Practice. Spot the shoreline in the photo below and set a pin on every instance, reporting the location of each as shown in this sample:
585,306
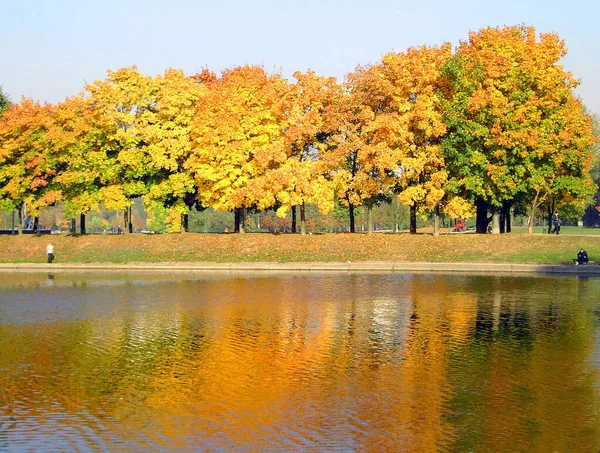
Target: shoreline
266,267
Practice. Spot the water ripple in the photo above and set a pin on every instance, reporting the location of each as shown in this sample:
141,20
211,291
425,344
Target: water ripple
352,363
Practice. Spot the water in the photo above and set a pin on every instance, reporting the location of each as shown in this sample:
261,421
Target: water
307,363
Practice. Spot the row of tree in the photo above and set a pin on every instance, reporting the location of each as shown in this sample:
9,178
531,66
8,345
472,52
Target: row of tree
478,128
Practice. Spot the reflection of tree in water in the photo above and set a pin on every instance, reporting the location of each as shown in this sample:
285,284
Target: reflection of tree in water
371,363
527,364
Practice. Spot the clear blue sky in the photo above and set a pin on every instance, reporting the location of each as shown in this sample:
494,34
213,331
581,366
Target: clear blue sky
52,47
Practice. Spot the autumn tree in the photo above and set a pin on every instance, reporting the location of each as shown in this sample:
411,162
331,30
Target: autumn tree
504,116
354,158
300,178
404,91
86,160
567,186
27,165
165,130
119,104
236,138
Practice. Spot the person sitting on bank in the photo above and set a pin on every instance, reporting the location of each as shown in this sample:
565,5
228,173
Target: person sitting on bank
582,257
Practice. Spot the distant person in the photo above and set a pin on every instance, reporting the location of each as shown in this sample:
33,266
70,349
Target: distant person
50,252
582,257
556,221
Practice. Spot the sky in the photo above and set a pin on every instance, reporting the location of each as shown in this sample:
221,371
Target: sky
51,48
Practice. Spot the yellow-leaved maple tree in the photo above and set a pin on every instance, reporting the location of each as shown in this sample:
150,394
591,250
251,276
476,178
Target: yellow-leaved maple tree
84,167
300,178
353,160
119,104
236,138
403,91
165,131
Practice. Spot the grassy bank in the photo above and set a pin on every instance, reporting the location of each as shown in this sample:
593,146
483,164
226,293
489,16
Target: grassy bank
191,247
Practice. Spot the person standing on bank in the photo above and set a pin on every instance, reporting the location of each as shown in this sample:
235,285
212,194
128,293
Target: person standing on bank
50,252
556,221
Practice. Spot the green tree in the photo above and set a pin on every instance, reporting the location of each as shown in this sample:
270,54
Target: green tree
512,123
591,216
4,102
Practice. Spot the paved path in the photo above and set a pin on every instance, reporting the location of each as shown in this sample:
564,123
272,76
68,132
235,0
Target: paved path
503,268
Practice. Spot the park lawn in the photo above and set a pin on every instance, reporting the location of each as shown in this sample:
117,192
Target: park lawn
569,230
264,247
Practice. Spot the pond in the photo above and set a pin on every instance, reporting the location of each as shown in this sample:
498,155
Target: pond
299,363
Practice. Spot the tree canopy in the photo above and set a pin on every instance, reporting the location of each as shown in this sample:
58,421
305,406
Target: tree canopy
515,129
489,124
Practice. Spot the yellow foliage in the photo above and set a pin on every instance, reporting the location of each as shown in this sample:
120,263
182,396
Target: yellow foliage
237,138
458,208
113,198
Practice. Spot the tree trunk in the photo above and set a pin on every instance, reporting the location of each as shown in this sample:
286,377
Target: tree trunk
185,223
534,206
436,220
130,221
82,223
241,219
20,219
302,219
370,216
531,217
73,228
36,225
481,221
496,222
293,219
550,212
351,211
505,221
413,218
127,228
502,220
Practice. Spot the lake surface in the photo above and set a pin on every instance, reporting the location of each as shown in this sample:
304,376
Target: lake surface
308,363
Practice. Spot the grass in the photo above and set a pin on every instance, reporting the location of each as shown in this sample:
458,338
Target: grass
566,230
263,247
